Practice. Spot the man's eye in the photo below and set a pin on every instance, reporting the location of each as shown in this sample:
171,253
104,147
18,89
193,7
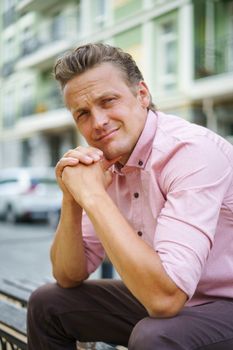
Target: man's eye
108,100
78,117
81,114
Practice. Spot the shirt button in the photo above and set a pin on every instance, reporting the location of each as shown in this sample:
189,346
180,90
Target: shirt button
140,162
136,194
140,233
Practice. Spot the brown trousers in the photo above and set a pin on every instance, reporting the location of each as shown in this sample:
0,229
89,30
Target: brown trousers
106,311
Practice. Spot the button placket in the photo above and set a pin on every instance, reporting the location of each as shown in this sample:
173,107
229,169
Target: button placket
136,204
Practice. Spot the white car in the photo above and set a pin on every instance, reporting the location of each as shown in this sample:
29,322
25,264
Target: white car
28,193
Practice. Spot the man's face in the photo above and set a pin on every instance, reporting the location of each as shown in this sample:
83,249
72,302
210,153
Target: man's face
108,113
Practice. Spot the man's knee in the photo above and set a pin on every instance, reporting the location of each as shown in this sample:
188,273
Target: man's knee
53,300
153,334
41,298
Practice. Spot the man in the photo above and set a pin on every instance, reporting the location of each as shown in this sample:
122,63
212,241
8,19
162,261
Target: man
153,192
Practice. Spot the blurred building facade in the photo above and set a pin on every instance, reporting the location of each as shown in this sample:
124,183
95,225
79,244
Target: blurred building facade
183,47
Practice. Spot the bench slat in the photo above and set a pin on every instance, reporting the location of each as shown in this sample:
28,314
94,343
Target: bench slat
13,316
16,291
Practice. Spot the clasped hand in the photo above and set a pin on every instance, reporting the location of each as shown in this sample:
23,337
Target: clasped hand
83,172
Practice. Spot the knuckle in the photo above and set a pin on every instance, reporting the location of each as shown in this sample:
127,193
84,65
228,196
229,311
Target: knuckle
68,153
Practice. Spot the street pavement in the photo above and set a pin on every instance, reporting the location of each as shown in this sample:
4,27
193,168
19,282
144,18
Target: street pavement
24,251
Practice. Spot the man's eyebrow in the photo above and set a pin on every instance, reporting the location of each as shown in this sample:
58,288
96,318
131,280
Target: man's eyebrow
95,99
104,95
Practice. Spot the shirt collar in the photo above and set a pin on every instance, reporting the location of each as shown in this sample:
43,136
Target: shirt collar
142,150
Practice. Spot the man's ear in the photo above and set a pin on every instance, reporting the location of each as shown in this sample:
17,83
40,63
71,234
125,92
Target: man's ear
143,94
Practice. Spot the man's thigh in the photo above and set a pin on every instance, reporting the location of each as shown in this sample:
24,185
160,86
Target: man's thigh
97,310
204,327
107,311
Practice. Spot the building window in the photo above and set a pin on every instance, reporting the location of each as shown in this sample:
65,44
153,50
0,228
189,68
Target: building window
9,110
28,41
100,15
58,26
9,14
8,50
8,57
213,29
166,53
27,100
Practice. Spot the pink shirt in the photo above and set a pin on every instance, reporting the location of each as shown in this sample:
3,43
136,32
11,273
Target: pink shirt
176,190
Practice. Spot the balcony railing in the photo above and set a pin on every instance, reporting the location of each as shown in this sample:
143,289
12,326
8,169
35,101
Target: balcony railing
51,99
214,58
35,5
59,29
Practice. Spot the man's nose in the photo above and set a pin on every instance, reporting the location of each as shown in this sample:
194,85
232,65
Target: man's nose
100,119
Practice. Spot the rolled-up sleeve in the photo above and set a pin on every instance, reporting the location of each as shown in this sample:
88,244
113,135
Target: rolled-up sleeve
196,177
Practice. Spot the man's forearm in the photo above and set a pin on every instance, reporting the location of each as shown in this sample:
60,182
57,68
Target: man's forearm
67,252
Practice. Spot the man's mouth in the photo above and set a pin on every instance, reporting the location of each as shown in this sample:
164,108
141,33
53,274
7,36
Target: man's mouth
107,135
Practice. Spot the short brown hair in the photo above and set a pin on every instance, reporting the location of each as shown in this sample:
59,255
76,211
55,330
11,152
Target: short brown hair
79,60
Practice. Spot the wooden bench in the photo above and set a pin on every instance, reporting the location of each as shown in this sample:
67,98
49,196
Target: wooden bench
14,296
13,301
12,326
